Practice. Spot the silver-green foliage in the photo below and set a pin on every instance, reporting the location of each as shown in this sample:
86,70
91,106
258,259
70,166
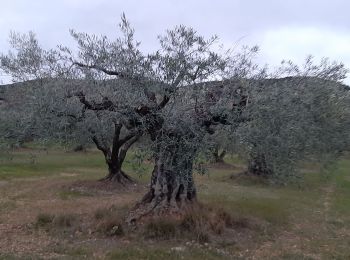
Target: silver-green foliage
187,89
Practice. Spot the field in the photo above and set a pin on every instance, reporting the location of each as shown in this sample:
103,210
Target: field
51,207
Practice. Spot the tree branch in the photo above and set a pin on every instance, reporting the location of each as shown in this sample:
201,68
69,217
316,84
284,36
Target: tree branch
127,138
106,104
126,146
116,145
106,152
106,71
162,104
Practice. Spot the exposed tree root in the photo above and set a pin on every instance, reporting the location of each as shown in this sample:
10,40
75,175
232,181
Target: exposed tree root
118,178
155,207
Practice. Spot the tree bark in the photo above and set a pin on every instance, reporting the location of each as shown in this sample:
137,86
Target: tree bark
115,155
257,166
172,187
217,156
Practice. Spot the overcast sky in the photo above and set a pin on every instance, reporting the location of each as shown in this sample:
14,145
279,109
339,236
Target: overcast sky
284,29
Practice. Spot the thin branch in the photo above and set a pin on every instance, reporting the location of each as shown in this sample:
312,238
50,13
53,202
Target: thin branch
96,67
126,146
116,145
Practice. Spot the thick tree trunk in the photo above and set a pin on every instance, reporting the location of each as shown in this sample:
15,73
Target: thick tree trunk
116,174
217,156
172,187
170,190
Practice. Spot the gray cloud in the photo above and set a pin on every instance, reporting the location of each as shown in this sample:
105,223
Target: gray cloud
283,29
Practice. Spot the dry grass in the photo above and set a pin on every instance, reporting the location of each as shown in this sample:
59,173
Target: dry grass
161,229
42,217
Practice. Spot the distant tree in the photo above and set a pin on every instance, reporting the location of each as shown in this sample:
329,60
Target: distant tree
15,124
217,146
218,155
294,118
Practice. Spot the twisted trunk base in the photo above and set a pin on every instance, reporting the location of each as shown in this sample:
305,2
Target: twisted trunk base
170,193
116,175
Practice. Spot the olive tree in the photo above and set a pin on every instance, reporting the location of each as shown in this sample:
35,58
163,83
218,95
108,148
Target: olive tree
176,96
177,104
68,103
303,116
181,93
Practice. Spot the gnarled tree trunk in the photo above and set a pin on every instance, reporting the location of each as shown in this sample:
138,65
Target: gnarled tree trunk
172,187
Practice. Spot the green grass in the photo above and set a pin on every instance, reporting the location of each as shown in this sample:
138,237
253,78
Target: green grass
297,211
7,206
38,163
15,257
72,194
341,200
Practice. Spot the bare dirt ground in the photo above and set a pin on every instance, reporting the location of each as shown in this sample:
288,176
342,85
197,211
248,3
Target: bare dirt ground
307,222
28,198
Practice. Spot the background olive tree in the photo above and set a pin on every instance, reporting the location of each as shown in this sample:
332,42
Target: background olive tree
303,116
70,103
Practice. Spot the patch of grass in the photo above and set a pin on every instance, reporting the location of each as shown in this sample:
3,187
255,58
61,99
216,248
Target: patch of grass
27,163
110,224
73,252
72,194
16,257
251,203
110,221
6,206
64,220
161,229
293,256
198,223
272,210
78,252
202,221
24,164
340,199
103,213
246,179
44,219
50,221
